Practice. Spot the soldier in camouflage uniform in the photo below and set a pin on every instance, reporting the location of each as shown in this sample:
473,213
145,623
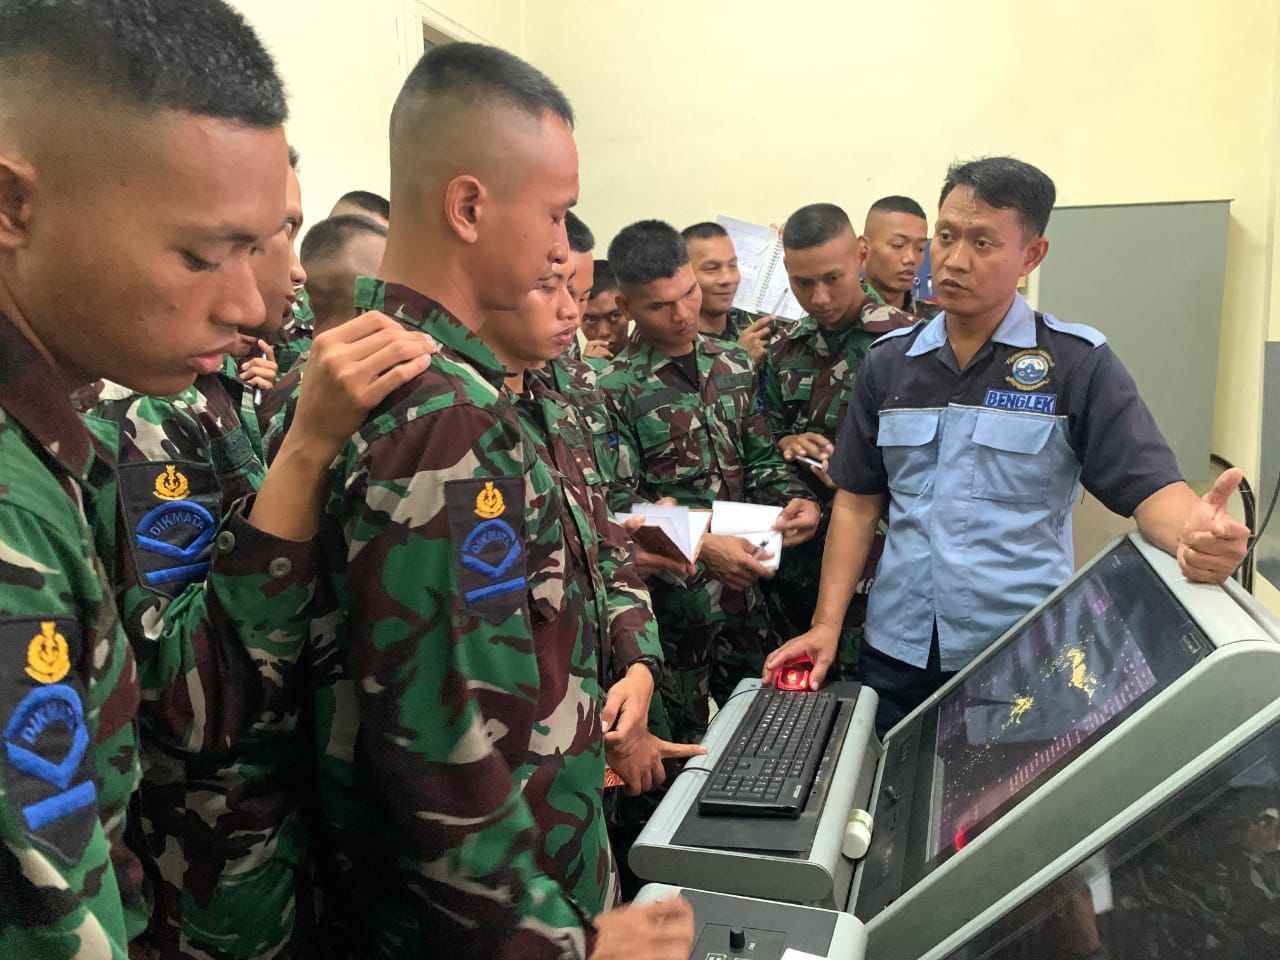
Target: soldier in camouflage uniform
67,659
808,378
688,427
334,253
892,247
180,141
602,321
573,376
557,432
226,829
458,740
715,264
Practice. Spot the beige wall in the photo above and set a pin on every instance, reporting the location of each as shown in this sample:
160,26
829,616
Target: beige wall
343,62
727,106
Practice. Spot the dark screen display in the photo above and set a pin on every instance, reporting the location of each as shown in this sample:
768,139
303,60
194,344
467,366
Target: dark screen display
1197,878
1108,643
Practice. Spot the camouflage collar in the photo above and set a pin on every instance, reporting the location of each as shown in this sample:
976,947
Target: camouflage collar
874,294
647,359
32,395
421,312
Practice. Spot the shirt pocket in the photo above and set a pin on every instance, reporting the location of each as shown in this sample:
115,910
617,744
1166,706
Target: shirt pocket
796,386
908,441
1012,457
671,445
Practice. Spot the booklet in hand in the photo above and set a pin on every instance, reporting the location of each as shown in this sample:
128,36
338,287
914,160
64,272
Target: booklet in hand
750,521
671,532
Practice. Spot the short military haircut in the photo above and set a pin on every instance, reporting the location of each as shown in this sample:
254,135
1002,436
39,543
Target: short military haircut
197,56
707,230
604,279
365,200
814,225
1006,184
581,239
898,205
475,73
329,236
646,251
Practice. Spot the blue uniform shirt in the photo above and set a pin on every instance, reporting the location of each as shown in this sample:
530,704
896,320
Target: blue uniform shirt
982,466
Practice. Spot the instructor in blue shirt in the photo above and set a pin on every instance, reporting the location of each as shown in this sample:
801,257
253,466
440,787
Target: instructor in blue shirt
973,432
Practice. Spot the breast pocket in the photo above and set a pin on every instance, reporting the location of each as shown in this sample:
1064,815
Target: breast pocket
671,442
795,386
908,441
1013,459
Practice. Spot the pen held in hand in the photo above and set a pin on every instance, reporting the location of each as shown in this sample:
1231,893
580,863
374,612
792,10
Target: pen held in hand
760,549
816,464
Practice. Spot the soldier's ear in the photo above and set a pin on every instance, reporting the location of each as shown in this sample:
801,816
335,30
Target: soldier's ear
623,307
17,185
465,206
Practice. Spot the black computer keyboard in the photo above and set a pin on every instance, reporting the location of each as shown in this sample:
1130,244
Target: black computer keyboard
769,766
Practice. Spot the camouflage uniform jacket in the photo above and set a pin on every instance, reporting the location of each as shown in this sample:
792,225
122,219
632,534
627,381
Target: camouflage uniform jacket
809,373
575,380
735,322
218,613
278,406
295,339
68,693
464,804
696,444
919,309
599,551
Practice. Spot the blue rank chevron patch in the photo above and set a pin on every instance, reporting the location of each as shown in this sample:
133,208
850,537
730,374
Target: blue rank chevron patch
45,737
1046,403
486,524
173,509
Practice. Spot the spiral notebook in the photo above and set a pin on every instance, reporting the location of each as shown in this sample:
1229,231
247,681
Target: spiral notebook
764,287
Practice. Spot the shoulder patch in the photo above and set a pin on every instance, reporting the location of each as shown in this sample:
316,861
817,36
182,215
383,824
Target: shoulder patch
1085,332
900,332
48,777
172,509
486,535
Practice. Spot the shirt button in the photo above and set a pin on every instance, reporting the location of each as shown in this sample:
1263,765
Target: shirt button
280,567
226,541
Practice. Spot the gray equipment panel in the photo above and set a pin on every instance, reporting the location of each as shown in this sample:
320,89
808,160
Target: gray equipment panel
820,877
1217,696
1190,872
766,929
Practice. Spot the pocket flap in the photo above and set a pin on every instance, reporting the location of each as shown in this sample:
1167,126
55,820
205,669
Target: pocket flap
1012,432
907,428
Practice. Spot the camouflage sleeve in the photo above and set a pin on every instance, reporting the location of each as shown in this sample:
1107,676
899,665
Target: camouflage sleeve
632,628
275,413
69,766
217,610
625,483
442,659
773,409
769,479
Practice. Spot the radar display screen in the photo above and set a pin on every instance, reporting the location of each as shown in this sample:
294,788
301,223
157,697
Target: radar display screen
1093,655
